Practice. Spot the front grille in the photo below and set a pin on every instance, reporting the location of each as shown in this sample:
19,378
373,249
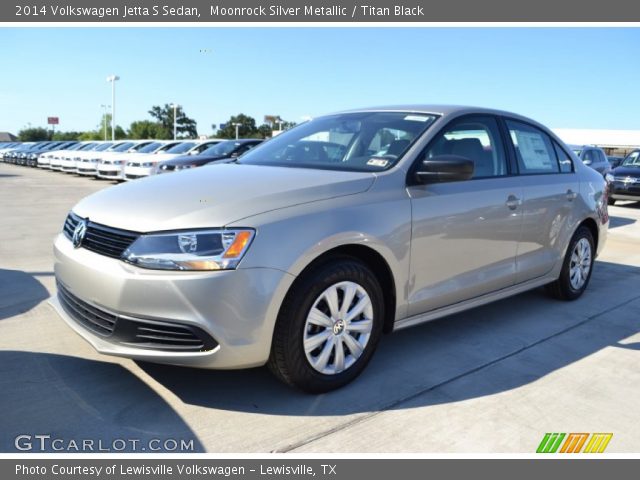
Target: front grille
167,336
622,179
107,173
133,177
107,241
93,318
135,332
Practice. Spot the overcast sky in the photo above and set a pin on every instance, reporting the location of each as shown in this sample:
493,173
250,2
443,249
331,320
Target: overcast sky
563,77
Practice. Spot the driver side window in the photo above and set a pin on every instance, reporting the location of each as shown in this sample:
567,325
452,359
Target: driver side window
476,138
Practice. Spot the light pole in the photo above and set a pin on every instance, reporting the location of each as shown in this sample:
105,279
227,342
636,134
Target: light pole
104,119
113,79
237,125
175,119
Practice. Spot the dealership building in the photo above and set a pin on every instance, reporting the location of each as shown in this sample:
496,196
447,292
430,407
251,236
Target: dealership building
613,142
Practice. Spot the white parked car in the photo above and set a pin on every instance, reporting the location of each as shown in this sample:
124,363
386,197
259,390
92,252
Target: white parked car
45,159
113,168
122,149
64,160
87,165
143,167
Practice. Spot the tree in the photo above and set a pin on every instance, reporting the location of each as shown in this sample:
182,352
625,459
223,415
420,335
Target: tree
35,134
144,129
247,128
185,126
265,131
71,135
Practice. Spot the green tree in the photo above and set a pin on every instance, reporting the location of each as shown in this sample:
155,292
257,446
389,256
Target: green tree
34,134
71,135
247,128
265,131
185,126
143,129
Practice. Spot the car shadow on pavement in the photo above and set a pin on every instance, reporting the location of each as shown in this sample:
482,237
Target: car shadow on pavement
73,399
615,222
20,292
484,351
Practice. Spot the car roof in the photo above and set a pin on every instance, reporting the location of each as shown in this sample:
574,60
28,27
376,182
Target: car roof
444,111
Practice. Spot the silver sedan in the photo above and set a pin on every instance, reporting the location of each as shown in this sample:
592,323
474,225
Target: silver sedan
303,252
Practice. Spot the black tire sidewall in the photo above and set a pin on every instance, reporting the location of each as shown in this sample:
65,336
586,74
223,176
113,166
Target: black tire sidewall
565,277
301,299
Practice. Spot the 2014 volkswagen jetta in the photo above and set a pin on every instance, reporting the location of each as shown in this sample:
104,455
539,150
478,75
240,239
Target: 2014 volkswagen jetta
304,251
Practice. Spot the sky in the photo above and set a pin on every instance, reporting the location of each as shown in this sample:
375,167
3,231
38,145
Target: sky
563,77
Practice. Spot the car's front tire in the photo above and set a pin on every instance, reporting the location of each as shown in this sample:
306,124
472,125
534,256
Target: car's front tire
576,268
328,326
611,201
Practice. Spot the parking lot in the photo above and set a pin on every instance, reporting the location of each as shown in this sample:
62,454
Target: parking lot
494,379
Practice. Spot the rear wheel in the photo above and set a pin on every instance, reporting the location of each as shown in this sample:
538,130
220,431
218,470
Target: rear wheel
328,327
576,268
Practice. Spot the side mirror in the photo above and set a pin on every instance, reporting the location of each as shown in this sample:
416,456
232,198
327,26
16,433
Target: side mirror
444,168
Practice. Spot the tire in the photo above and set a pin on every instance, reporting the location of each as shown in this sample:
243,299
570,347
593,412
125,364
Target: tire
574,279
611,201
318,370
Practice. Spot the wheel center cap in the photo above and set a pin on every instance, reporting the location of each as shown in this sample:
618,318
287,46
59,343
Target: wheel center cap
338,327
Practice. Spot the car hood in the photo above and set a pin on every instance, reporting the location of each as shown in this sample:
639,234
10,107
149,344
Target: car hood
626,172
214,196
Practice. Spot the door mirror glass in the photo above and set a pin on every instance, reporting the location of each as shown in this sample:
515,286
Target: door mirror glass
444,168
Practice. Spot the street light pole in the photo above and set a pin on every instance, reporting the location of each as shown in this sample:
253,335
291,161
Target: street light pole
237,125
113,79
104,119
175,119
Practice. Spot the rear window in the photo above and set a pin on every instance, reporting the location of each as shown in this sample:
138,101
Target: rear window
534,151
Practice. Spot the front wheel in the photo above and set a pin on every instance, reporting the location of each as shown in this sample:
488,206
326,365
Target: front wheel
576,268
328,326
611,201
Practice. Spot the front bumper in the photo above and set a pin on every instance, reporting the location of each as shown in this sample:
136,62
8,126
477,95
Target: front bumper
111,172
133,173
237,308
624,191
87,168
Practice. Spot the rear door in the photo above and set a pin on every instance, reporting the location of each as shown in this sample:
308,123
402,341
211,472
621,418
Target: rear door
550,185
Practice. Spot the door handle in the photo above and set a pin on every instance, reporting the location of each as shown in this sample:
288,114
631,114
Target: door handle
513,202
571,195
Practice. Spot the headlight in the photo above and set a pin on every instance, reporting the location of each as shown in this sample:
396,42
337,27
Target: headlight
608,177
184,167
147,164
195,250
118,162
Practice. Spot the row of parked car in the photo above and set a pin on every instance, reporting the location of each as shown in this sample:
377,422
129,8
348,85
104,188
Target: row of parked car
132,159
123,159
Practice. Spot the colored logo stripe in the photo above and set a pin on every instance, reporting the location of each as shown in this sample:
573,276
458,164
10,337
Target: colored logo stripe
550,443
598,442
574,442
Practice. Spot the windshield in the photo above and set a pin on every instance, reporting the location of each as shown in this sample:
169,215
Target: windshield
87,146
632,160
102,146
181,147
123,147
361,142
221,149
152,147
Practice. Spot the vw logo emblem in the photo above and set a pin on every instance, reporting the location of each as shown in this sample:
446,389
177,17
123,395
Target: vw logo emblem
79,233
